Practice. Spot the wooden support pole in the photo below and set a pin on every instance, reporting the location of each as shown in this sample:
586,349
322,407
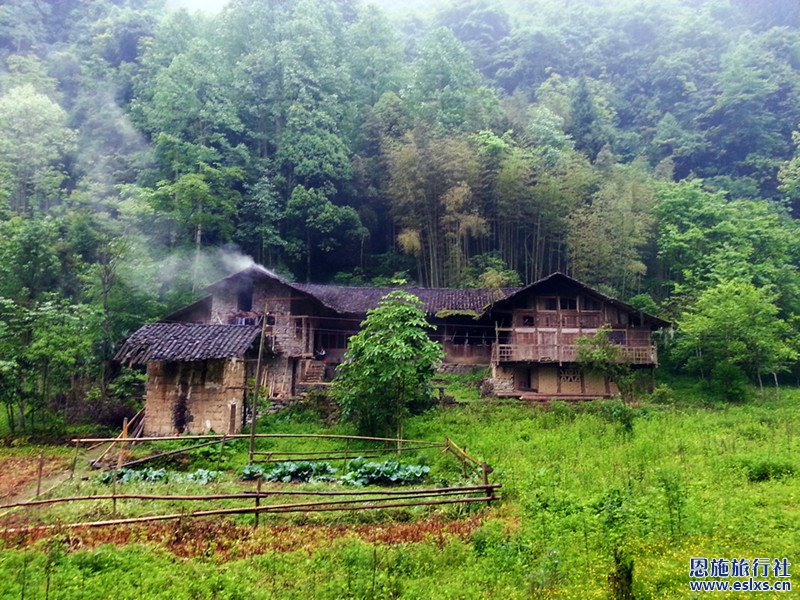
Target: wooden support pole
74,461
139,461
264,494
330,506
257,387
39,474
216,436
120,455
258,501
221,450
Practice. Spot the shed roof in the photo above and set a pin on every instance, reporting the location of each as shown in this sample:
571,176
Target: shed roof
186,342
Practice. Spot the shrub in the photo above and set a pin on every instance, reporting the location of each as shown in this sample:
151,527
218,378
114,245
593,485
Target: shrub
765,469
728,382
662,394
619,413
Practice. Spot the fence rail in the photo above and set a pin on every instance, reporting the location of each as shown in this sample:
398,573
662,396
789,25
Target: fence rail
330,500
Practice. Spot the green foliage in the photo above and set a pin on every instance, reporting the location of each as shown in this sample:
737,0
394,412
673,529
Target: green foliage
735,324
598,354
152,475
388,366
361,472
252,472
758,469
298,472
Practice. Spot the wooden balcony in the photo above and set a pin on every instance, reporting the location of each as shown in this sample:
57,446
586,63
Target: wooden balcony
565,353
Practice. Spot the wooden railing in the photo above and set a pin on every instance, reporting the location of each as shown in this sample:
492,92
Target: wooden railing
561,353
575,320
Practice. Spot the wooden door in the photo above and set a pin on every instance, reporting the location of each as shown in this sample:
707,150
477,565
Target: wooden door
548,347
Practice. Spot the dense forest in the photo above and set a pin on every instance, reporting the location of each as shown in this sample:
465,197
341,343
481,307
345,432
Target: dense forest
647,148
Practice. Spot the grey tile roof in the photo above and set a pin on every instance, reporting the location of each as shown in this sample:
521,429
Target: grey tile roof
358,300
186,342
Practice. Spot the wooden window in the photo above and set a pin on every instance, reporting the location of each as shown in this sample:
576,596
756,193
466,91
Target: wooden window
245,297
548,304
617,336
569,303
590,304
569,375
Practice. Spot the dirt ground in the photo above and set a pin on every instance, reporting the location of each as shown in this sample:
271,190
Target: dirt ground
19,473
226,540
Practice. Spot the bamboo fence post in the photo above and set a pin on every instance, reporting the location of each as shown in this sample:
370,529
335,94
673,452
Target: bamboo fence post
221,450
120,454
257,386
258,502
486,469
39,474
74,461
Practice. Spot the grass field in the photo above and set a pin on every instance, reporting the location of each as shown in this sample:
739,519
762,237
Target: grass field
674,478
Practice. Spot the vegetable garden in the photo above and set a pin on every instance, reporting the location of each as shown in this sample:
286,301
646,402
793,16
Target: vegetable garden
155,479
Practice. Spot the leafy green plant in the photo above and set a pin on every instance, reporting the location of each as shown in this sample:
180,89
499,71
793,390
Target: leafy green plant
151,475
766,469
619,413
252,472
361,472
662,394
300,472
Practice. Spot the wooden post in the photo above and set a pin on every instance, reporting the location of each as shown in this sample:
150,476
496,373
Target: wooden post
39,475
74,460
120,454
258,501
489,491
221,450
257,387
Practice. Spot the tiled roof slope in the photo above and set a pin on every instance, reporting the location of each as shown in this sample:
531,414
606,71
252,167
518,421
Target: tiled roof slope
358,300
186,342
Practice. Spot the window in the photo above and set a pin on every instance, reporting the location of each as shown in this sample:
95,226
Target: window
617,336
569,303
549,304
527,321
569,375
592,304
245,297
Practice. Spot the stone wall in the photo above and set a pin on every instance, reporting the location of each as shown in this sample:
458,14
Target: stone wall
459,368
195,397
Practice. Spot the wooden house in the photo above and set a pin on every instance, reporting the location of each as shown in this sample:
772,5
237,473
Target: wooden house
537,327
199,359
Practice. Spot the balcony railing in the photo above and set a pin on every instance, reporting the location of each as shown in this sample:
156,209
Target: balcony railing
564,353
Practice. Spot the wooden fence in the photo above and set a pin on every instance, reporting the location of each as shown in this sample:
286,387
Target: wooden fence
323,501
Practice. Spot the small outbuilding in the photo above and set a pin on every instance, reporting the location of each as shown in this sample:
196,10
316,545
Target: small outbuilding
196,375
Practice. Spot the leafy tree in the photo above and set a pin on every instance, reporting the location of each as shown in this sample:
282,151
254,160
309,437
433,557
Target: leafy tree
34,141
704,239
316,226
598,354
738,324
606,238
388,367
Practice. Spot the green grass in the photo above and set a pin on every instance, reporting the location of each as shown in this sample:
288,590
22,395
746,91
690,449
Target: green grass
661,482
